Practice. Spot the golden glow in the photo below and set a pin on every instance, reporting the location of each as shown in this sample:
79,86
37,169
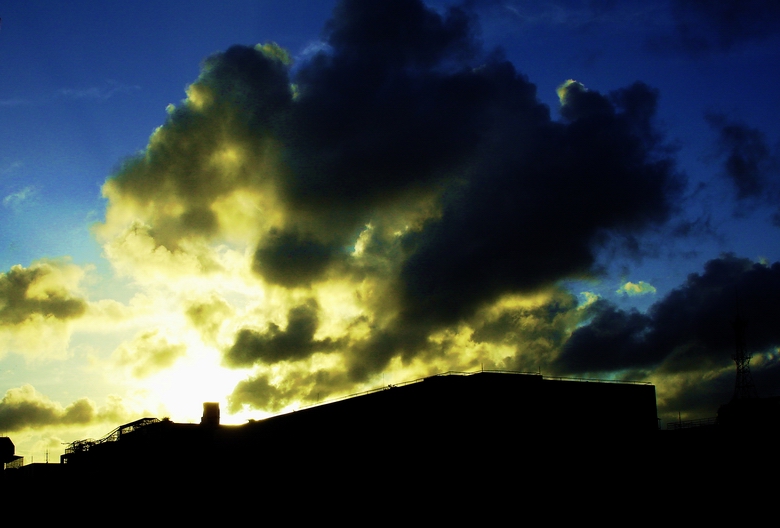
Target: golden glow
363,239
228,158
530,300
195,379
639,288
199,97
562,90
339,309
590,298
274,50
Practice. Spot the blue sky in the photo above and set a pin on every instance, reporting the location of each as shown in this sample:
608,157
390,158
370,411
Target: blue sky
266,253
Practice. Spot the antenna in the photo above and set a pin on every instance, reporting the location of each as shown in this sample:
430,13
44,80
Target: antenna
744,388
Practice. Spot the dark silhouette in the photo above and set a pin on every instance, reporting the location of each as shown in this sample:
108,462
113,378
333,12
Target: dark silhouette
455,438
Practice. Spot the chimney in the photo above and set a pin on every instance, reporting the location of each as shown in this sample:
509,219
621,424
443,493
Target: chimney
210,414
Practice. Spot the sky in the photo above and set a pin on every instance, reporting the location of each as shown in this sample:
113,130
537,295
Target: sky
270,204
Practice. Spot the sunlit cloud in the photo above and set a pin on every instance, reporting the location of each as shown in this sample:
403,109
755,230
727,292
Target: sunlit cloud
24,408
38,306
639,288
148,353
318,228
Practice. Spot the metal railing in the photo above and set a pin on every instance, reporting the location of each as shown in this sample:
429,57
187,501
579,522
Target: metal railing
692,424
80,446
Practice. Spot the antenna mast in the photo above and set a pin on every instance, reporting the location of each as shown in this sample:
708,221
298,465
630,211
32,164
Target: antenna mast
744,388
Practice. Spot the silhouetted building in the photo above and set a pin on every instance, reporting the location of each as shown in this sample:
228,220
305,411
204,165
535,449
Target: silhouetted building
8,452
426,423
494,423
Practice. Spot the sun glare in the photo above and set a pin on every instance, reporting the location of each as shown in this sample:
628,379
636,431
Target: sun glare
181,390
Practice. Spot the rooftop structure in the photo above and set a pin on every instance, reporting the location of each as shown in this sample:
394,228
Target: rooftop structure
430,423
460,413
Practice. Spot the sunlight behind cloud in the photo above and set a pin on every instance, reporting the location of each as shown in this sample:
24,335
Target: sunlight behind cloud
194,378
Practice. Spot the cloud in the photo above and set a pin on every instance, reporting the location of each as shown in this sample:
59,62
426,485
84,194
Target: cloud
274,393
383,198
208,316
210,159
704,27
287,260
135,252
572,15
640,288
295,342
15,200
11,167
689,332
562,179
99,93
38,305
25,408
529,332
17,101
148,353
748,161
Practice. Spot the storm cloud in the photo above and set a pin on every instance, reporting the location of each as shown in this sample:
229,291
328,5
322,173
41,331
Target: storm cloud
296,341
688,330
543,199
387,192
749,161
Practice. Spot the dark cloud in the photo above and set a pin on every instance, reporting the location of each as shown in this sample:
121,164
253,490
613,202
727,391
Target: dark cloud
543,197
404,161
689,330
614,339
260,393
295,342
23,408
401,104
704,26
264,392
391,104
290,260
38,291
748,160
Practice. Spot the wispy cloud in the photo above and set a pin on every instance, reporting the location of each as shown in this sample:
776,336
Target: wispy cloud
11,167
16,101
100,93
15,200
575,15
